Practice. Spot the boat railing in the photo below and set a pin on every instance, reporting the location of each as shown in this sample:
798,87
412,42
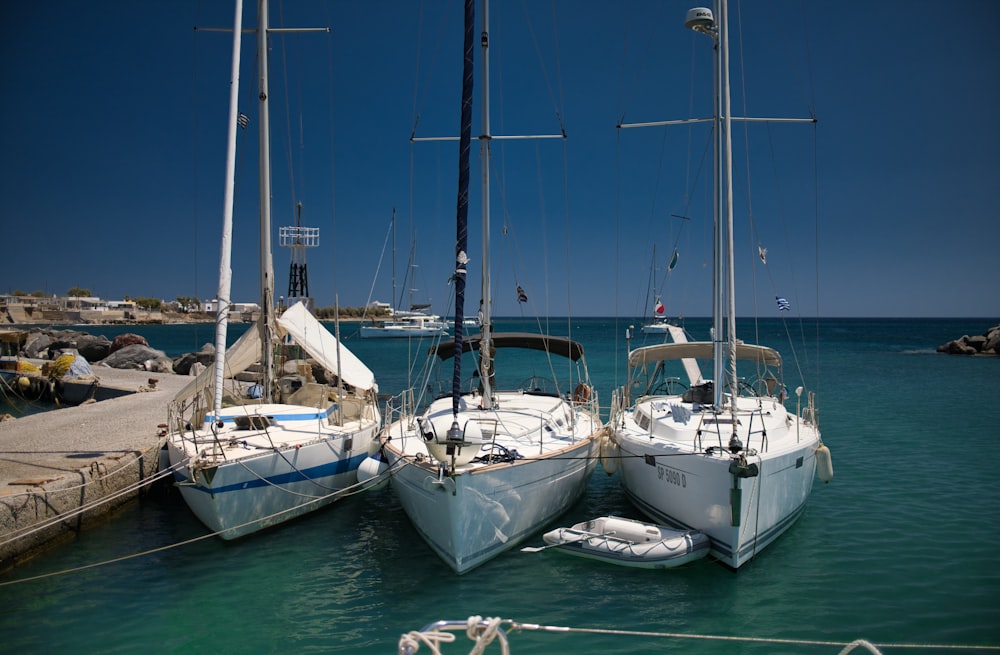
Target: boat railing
399,406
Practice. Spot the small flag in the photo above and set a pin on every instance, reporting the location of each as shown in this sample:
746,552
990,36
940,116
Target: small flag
783,304
673,261
659,308
521,295
763,253
243,120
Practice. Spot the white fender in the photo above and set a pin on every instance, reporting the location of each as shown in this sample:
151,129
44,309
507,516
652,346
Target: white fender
824,463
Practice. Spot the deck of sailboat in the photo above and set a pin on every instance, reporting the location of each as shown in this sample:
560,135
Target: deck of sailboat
761,422
532,424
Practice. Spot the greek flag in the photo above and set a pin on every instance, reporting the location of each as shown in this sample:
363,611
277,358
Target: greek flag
783,304
243,120
521,295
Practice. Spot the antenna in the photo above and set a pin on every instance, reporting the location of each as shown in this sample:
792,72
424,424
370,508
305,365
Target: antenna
299,238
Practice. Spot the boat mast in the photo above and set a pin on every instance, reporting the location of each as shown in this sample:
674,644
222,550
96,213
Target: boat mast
485,352
225,259
266,264
462,209
727,177
723,300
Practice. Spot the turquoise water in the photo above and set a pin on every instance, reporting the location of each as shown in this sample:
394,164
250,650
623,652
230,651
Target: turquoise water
899,548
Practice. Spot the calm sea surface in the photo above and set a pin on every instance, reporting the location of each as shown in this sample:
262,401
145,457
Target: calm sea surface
900,548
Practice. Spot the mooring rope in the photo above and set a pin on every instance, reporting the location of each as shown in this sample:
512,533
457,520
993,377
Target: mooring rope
483,631
347,491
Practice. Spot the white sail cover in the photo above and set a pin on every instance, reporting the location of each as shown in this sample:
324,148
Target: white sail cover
332,355
239,356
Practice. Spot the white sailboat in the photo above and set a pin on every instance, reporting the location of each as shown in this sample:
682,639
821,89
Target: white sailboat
659,324
414,322
723,456
491,463
254,453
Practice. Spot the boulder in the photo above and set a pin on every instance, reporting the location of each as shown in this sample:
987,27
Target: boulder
204,357
139,357
93,348
126,340
993,341
36,345
987,343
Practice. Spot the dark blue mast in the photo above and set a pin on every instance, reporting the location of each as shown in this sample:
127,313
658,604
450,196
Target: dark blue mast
462,217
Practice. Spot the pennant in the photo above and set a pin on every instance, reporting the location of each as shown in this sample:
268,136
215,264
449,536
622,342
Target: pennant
521,295
763,253
783,304
673,260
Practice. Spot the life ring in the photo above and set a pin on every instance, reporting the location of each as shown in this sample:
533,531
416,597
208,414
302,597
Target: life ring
582,393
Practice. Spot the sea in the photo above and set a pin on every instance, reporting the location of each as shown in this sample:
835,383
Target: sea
899,549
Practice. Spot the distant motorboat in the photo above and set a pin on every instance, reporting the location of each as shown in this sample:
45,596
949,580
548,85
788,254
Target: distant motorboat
628,542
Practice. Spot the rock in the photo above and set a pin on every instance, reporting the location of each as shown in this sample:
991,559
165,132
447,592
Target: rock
204,357
93,348
987,343
139,357
36,345
126,340
992,343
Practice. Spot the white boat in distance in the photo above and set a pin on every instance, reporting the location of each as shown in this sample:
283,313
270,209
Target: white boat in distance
248,455
628,542
721,455
405,325
487,465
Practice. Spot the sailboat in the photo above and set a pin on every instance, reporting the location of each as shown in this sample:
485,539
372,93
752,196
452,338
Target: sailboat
659,323
723,455
405,323
252,450
490,463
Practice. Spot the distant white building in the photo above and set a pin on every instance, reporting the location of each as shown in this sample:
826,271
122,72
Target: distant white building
212,307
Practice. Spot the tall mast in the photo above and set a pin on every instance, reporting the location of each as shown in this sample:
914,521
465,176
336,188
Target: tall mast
266,264
462,208
485,348
723,283
727,170
225,259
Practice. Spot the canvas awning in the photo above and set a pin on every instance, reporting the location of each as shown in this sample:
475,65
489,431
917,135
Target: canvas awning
701,350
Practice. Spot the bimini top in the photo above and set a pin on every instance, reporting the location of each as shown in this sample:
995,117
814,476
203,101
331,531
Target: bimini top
701,350
556,345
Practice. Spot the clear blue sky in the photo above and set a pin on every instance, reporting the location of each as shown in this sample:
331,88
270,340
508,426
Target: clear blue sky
113,146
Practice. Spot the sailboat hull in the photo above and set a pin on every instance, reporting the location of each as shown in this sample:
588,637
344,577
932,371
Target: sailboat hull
742,503
246,481
473,513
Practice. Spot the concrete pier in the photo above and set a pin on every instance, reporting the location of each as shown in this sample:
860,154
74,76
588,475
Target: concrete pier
96,455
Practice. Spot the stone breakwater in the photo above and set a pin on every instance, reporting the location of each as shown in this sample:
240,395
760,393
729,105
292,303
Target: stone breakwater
987,343
125,351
